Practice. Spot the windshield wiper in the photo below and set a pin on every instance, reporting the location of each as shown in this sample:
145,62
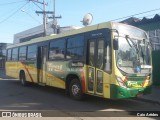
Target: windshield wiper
134,44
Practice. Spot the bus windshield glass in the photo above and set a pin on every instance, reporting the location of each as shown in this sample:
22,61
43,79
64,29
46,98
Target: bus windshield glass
134,53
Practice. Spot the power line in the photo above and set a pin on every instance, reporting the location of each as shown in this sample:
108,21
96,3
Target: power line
37,5
13,13
136,14
3,4
149,15
31,16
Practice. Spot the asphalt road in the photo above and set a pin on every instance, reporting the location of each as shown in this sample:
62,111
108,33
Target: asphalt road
13,97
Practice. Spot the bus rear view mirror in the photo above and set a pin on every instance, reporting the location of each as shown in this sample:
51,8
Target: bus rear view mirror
115,44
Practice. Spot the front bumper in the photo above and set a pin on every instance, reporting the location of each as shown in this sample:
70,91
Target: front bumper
117,92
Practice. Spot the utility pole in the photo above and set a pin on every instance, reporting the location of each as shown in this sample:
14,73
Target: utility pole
44,17
54,17
42,12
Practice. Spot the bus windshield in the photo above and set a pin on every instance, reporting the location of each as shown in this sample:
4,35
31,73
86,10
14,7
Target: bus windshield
134,53
133,56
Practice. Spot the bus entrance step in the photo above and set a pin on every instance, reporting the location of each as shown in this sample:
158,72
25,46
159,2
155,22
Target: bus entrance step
42,84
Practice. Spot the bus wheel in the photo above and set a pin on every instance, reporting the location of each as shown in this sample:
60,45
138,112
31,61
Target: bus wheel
75,89
23,79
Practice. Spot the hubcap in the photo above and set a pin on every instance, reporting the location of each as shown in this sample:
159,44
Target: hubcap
75,89
22,80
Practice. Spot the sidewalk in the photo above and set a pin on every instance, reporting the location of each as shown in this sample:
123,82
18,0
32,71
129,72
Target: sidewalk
154,97
3,74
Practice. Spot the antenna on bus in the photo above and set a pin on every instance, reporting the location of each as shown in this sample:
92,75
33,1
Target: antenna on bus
87,19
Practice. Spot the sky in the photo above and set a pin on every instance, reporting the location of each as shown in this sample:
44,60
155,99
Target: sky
19,15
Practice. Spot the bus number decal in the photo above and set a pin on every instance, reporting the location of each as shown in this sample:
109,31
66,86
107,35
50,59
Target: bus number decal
57,68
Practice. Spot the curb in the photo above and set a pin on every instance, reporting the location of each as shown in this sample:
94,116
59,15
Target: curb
148,100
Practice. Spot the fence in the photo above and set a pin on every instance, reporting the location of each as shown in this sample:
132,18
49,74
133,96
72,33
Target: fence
156,67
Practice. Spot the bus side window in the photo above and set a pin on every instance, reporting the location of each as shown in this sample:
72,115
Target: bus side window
100,54
15,54
107,67
32,52
75,47
57,50
91,53
22,53
9,55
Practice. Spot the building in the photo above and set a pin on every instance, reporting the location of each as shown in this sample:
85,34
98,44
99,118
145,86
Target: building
152,27
38,31
2,54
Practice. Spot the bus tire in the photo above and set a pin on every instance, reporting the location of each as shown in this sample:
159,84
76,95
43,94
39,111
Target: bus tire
23,79
75,89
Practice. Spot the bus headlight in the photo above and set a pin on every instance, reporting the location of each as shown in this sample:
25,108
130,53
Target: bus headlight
120,82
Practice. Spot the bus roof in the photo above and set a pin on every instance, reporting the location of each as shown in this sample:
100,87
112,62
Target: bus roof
61,35
67,33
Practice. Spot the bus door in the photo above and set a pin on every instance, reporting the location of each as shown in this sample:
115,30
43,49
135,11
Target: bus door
41,64
95,67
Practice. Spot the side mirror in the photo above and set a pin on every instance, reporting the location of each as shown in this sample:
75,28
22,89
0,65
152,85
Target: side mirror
115,44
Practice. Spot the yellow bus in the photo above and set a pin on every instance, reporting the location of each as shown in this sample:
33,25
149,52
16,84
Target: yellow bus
110,60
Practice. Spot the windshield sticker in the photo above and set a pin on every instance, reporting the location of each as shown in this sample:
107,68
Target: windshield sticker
138,69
